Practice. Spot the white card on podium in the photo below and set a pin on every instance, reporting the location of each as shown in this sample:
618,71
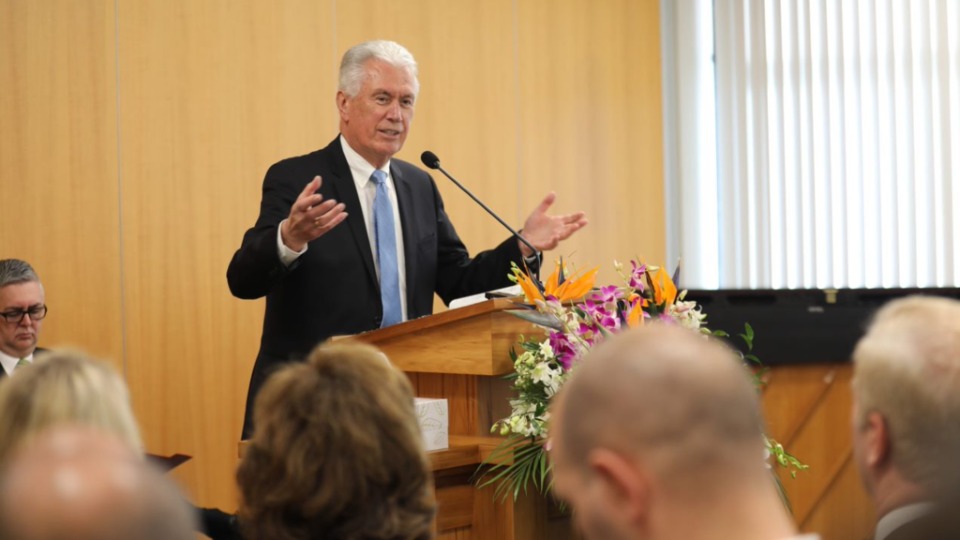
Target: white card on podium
433,415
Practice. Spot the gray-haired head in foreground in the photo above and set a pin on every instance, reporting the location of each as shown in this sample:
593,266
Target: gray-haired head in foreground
907,368
13,271
352,69
81,483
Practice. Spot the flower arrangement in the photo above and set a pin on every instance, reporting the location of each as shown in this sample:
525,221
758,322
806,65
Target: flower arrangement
577,316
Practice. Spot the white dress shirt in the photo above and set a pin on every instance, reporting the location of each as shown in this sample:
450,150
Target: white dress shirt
10,362
897,517
361,171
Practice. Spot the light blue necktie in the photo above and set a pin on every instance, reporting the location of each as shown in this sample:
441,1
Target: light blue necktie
383,224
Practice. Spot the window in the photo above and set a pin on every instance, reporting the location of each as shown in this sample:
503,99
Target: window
813,143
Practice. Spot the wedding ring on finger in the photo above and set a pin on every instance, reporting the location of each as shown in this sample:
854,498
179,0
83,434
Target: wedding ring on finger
316,223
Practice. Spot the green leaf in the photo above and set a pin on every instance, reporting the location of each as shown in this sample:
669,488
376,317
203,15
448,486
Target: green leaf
747,336
529,466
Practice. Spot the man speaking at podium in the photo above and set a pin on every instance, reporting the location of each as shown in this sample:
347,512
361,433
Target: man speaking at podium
350,240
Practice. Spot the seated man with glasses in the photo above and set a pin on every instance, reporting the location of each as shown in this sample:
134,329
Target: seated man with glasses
21,312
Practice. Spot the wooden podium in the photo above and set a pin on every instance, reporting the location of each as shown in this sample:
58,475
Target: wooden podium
462,355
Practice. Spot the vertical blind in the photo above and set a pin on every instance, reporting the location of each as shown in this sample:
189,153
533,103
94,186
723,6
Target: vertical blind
837,128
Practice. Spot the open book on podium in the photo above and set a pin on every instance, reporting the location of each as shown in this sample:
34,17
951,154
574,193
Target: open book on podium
462,355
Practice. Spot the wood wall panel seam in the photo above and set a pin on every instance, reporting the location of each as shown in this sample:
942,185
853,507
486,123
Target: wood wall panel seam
829,379
834,476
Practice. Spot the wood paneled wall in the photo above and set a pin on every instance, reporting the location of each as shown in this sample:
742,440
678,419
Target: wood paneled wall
808,411
58,164
134,135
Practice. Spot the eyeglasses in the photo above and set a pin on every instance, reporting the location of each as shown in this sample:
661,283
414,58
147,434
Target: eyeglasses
14,316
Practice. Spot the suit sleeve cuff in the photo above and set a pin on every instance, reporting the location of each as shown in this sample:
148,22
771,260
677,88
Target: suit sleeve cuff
287,255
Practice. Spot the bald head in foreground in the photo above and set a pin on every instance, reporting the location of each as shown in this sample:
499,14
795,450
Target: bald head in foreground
906,418
658,435
84,484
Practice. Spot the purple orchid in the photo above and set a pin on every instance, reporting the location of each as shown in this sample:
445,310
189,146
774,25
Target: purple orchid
563,349
637,275
607,295
667,318
601,309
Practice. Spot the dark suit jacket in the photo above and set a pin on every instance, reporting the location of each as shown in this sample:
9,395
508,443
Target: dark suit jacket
941,524
333,289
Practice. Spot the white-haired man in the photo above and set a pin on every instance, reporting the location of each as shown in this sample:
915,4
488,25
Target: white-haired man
658,435
906,418
380,243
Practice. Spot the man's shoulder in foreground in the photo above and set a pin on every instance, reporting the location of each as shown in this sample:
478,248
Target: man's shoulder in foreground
940,522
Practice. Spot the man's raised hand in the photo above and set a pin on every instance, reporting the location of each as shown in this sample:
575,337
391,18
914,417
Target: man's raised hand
545,232
310,217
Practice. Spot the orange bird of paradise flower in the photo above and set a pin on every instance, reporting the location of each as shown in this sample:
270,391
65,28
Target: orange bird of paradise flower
664,290
572,288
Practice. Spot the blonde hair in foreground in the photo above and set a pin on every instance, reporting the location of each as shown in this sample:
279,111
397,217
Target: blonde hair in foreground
64,387
336,453
907,368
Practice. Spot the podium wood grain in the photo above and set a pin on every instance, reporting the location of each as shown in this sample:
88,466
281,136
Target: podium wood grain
473,340
462,355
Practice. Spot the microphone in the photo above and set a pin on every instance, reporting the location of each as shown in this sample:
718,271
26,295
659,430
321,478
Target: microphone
432,161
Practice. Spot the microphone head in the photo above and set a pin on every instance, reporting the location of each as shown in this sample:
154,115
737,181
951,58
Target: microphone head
430,160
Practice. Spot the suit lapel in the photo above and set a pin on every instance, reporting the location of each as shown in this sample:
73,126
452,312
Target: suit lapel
408,223
345,191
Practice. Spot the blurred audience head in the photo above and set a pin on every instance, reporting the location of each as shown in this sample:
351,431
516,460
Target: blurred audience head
336,453
906,410
83,483
658,434
22,308
64,387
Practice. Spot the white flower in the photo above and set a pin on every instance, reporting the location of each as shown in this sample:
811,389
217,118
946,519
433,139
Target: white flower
687,313
546,350
522,408
517,424
548,376
521,425
523,359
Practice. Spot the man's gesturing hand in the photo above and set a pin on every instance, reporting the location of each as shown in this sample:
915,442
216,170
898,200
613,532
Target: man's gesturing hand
545,231
310,217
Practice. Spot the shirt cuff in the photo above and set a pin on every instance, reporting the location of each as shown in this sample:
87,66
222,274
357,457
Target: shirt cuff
287,255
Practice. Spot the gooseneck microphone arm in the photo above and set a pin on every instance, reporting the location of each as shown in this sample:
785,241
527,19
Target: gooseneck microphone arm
432,161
